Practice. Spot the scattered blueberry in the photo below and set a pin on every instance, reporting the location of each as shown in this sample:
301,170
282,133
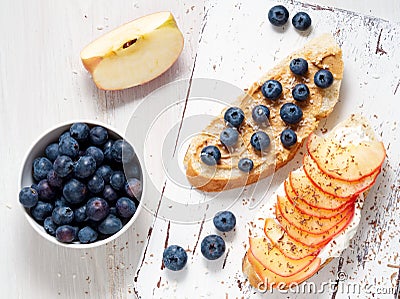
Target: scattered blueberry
323,78
288,138
260,141
301,21
229,136
68,146
28,197
291,113
96,153
133,188
79,131
62,215
63,166
234,116
278,15
174,258
122,151
105,172
80,214
117,180
74,191
95,184
97,209
41,211
260,114
299,66
110,194
110,225
271,89
98,135
85,167
107,150
245,164
41,167
87,235
51,151
54,180
45,191
224,221
212,247
125,207
300,92
49,226
210,155
66,233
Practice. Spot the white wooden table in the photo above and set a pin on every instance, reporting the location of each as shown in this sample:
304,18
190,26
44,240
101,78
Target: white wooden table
42,83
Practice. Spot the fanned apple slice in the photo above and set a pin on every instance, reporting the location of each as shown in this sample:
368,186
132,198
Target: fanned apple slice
334,187
307,223
307,209
273,280
313,240
287,245
274,260
315,197
348,162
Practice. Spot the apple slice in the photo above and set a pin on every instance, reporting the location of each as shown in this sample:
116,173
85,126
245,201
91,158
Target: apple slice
274,260
313,240
315,197
287,245
335,187
307,223
307,209
348,162
134,53
272,280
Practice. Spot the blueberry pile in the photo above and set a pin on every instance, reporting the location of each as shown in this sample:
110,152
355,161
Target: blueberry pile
80,191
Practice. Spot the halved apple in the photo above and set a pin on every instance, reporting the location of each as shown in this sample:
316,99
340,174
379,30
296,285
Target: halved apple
313,240
134,53
349,162
313,196
274,260
287,245
335,187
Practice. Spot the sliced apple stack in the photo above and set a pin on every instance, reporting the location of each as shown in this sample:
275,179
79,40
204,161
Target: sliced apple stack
317,205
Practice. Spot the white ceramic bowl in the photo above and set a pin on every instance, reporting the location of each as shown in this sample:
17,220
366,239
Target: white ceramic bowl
37,150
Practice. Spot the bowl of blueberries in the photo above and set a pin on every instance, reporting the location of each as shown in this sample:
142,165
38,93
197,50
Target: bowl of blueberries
81,185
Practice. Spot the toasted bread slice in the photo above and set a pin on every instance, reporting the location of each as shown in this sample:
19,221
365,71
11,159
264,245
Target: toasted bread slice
320,53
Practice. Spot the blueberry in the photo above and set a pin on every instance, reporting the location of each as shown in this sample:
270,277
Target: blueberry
68,146
291,113
122,151
125,207
79,131
210,155
212,247
245,164
98,135
61,202
260,114
229,136
80,214
96,153
63,135
28,197
224,221
278,15
110,194
87,235
63,166
95,184
54,179
260,141
299,66
45,191
74,191
288,138
300,92
110,225
85,167
41,211
133,188
271,89
49,226
51,151
97,209
41,167
113,211
174,258
323,78
62,215
105,172
117,180
107,150
234,116
66,233
301,21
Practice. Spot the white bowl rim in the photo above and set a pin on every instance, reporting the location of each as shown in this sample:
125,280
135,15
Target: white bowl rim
38,228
